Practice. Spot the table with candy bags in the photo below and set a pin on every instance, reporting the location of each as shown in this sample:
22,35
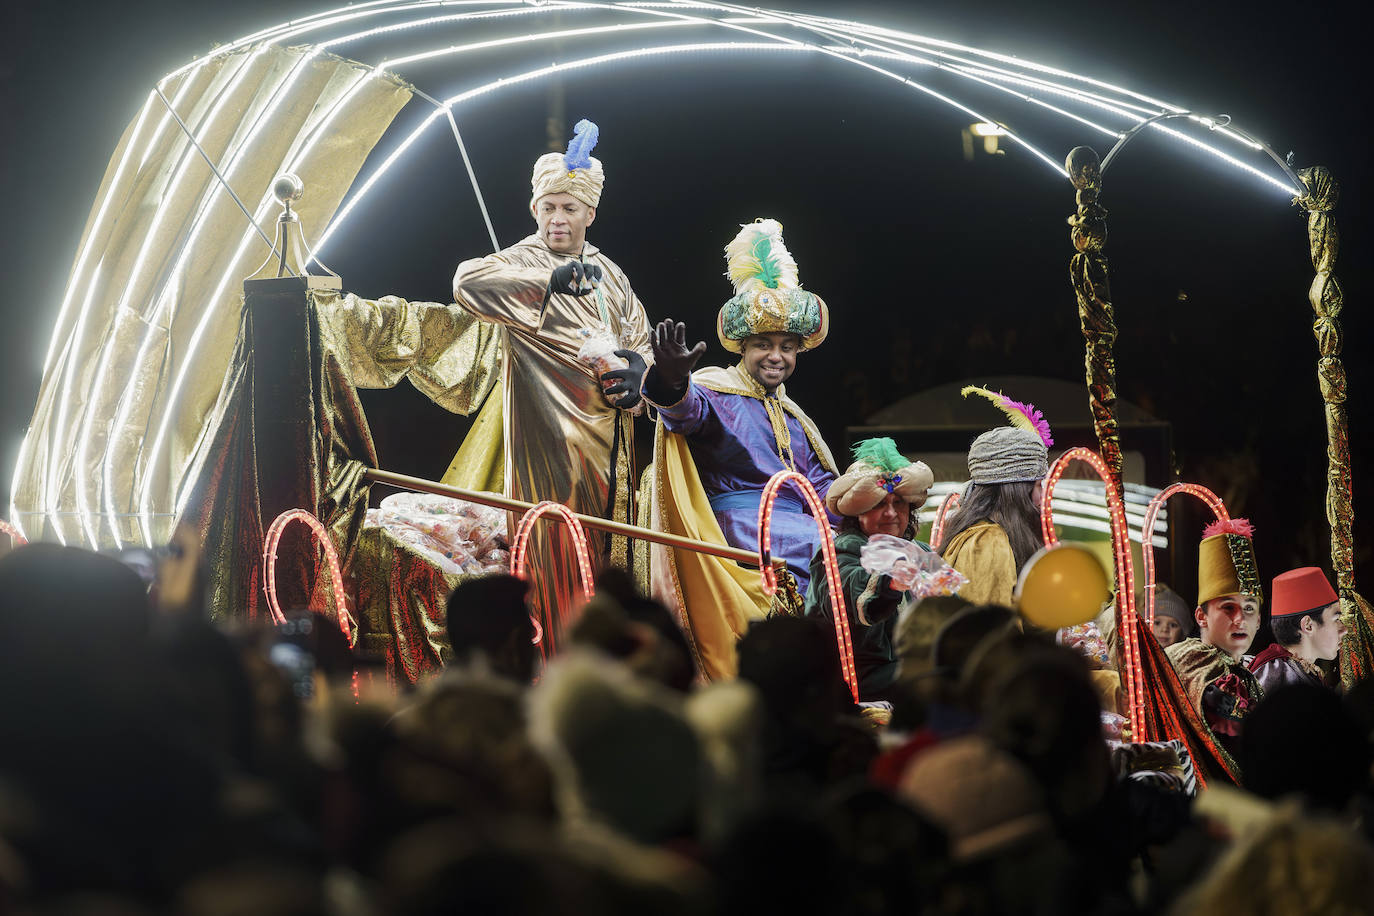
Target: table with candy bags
414,550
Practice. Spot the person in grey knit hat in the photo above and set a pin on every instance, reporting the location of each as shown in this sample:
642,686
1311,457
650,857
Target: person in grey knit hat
1173,616
995,527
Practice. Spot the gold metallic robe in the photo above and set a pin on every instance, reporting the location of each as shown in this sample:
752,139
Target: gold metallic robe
562,440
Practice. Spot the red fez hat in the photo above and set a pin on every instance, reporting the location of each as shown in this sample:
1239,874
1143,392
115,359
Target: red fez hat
1301,591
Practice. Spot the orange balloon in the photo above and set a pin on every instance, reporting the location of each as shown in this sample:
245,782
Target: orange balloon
1062,586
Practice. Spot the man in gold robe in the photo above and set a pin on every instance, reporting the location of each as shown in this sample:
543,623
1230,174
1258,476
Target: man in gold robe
566,419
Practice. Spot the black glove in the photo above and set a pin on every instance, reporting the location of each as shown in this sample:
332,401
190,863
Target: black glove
575,278
673,362
627,380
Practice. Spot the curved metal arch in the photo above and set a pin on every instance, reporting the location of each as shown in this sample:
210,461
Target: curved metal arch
854,43
887,40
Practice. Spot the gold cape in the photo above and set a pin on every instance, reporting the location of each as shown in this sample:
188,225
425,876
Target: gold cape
715,600
983,553
560,439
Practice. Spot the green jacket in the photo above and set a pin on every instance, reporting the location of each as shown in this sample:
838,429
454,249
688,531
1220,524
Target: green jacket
875,651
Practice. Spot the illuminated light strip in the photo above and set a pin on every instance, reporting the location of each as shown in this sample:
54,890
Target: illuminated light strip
925,40
353,12
87,426
95,226
519,556
1214,127
438,113
1106,105
52,479
894,55
269,566
1131,110
977,116
937,528
1212,501
295,27
17,477
838,608
84,254
905,56
144,490
532,38
425,23
1208,122
1134,113
163,297
1228,158
530,75
16,536
1125,576
52,493
850,29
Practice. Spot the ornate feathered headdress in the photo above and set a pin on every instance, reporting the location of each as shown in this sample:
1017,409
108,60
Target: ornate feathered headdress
574,172
768,296
879,469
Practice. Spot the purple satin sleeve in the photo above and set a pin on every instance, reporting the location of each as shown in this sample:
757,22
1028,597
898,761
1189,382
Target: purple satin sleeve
732,444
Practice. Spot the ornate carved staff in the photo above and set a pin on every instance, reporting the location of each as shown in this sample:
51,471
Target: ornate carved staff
1088,274
1357,652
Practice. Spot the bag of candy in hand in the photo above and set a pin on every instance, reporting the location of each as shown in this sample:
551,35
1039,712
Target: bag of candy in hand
911,567
598,350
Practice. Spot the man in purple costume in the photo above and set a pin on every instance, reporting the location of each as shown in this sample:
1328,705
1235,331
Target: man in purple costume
739,428
733,436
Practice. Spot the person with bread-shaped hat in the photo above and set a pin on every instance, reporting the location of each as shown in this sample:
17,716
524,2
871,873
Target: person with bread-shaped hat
1305,615
879,493
562,429
721,434
1211,665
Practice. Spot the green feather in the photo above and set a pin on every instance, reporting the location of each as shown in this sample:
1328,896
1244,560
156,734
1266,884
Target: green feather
881,453
769,271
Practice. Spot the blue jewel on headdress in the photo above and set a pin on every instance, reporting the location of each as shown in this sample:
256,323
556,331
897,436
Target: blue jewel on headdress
889,482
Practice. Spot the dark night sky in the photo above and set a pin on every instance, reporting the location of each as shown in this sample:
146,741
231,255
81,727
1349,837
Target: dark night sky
961,264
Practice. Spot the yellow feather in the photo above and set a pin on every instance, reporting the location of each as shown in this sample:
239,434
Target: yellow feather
743,266
1014,417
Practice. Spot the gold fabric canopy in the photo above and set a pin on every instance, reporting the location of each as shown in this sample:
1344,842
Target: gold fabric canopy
148,322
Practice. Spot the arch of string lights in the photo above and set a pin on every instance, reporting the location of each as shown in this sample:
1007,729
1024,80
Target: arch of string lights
668,33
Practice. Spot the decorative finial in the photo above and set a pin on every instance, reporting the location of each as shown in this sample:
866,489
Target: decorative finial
287,188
